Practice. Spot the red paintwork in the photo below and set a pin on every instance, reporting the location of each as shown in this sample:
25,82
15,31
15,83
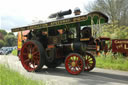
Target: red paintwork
78,67
21,37
104,38
30,64
89,62
51,46
120,45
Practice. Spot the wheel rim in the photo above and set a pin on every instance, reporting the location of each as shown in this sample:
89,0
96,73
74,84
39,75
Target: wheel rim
30,56
89,62
74,64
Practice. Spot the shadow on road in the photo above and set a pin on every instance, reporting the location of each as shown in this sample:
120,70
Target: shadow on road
90,78
112,76
95,77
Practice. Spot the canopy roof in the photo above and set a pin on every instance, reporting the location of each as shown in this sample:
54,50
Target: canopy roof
95,17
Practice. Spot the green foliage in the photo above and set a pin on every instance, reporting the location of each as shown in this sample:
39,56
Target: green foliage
10,40
111,61
1,43
3,32
10,33
10,77
114,31
114,9
14,52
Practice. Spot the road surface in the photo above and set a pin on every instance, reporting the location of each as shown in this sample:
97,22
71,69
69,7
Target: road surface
60,76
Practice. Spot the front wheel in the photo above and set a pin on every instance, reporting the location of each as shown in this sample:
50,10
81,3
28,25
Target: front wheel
74,63
89,61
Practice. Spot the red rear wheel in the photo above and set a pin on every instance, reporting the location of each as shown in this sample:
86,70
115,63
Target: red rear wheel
74,63
32,57
89,61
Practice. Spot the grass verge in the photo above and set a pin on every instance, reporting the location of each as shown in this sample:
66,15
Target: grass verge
111,61
10,77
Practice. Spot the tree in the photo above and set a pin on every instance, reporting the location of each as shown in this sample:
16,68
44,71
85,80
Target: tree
7,39
1,36
117,10
10,33
114,32
10,40
3,32
1,43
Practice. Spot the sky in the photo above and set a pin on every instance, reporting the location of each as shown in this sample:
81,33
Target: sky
17,13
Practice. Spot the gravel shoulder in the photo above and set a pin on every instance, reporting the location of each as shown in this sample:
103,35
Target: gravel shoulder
60,76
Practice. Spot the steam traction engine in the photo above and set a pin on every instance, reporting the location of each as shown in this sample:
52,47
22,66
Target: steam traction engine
60,41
